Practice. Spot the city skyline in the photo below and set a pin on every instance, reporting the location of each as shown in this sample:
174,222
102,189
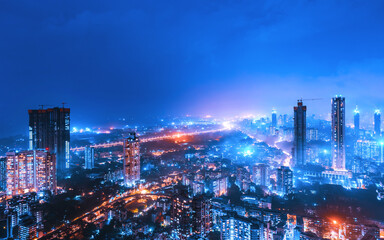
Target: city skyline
366,116
260,55
181,120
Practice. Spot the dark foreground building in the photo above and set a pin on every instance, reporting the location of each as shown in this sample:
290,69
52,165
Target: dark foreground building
49,129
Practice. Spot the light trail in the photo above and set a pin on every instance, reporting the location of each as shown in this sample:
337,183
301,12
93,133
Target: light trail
108,204
102,207
150,139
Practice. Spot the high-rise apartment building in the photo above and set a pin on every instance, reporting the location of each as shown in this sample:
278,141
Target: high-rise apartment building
312,134
131,169
274,118
285,119
338,133
377,122
356,121
89,157
201,206
241,228
30,171
367,149
181,212
284,180
300,134
49,129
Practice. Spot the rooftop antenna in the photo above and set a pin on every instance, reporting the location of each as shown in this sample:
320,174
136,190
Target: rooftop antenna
63,104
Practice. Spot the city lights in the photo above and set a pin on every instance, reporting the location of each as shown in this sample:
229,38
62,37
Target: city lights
187,120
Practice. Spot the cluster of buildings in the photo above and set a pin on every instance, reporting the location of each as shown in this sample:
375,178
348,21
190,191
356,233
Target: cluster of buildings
338,133
37,169
340,161
48,156
29,175
227,189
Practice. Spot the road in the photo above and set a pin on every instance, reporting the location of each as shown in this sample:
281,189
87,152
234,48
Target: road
71,227
149,139
149,190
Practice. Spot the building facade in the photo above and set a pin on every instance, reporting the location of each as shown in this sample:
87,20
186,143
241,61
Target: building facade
284,180
338,133
235,227
30,171
220,186
89,158
300,134
201,206
377,122
131,159
274,118
356,121
367,149
260,175
3,174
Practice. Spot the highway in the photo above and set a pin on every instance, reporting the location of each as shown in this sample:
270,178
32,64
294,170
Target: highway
71,227
149,139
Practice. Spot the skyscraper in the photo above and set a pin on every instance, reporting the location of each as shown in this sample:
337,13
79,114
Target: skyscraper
338,133
274,118
377,122
89,158
131,159
30,171
356,121
300,129
284,180
49,130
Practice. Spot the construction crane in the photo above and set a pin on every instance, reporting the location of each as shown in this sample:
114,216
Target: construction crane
44,105
311,99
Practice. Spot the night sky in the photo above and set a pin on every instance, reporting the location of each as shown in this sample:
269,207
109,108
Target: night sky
111,59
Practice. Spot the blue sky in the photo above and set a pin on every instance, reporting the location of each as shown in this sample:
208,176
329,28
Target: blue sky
110,59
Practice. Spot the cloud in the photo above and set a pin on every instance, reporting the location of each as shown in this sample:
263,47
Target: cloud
118,58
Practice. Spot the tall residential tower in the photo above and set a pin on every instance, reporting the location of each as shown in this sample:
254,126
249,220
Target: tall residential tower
30,171
284,180
300,130
377,122
338,133
131,159
356,121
